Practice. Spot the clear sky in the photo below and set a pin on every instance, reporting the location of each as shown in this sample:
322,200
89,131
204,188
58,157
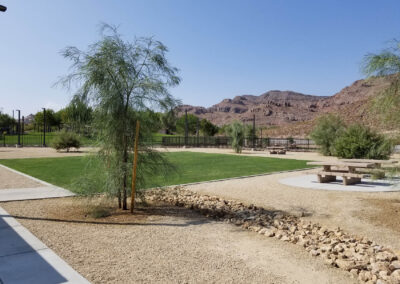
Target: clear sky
223,48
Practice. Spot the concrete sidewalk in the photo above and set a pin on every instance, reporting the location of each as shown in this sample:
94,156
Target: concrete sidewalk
15,194
25,259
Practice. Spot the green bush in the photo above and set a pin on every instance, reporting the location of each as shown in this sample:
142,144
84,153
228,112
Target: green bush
327,130
358,141
65,141
236,131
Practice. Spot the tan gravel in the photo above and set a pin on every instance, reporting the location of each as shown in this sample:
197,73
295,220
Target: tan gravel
39,152
9,179
348,210
166,245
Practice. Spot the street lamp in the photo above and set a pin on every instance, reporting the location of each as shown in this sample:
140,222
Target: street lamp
19,128
3,8
44,127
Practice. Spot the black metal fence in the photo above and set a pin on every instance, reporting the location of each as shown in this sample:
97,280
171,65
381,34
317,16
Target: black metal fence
225,142
7,140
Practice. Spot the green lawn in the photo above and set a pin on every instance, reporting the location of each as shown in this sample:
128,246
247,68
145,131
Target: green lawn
191,167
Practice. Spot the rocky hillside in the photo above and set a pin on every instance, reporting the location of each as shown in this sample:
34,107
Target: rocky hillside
291,113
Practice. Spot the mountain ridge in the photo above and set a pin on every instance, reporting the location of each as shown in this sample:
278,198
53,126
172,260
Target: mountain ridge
285,109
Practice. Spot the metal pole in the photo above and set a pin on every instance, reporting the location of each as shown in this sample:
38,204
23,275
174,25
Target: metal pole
23,129
198,131
254,129
19,127
186,127
44,127
135,166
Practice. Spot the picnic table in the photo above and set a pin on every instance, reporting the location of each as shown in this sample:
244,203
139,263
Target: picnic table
347,170
277,149
378,163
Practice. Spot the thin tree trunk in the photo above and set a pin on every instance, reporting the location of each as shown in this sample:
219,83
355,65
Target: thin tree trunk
125,182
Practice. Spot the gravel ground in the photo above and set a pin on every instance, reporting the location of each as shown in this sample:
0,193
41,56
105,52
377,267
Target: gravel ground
39,152
356,212
166,245
9,179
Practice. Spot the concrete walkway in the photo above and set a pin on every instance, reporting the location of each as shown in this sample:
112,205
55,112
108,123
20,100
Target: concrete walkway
23,257
366,185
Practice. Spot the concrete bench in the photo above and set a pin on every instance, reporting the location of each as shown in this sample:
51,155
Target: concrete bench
348,178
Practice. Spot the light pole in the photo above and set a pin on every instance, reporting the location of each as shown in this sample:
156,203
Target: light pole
44,127
19,128
3,8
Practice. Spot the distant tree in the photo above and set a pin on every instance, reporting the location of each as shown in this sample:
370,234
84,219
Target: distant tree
123,80
326,131
169,120
387,62
236,131
6,122
208,128
192,124
52,120
78,114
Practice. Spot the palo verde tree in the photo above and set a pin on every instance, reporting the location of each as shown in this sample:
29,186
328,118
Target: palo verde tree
385,63
123,80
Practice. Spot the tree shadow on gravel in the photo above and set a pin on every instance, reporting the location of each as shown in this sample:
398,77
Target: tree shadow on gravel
140,217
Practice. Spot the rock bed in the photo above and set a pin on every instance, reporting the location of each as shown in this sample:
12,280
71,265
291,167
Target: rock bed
364,259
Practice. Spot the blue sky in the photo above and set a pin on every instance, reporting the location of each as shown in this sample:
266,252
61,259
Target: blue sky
223,48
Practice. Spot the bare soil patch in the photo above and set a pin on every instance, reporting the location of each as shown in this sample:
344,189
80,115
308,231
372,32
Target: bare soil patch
164,244
384,212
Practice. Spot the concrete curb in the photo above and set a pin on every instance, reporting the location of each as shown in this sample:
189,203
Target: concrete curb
16,256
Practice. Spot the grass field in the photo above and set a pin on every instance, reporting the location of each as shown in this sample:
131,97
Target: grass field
191,167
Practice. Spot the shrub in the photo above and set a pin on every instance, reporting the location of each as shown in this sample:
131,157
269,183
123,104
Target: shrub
327,130
65,141
358,141
236,131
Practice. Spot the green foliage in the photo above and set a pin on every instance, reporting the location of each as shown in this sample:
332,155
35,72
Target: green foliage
123,81
207,128
6,122
52,119
387,62
65,141
326,131
192,124
77,115
236,131
358,141
249,132
169,120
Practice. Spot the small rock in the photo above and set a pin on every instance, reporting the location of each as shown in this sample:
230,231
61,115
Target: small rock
262,231
394,265
285,238
314,252
269,232
345,264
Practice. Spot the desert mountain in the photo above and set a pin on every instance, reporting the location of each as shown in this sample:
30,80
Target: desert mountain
283,111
